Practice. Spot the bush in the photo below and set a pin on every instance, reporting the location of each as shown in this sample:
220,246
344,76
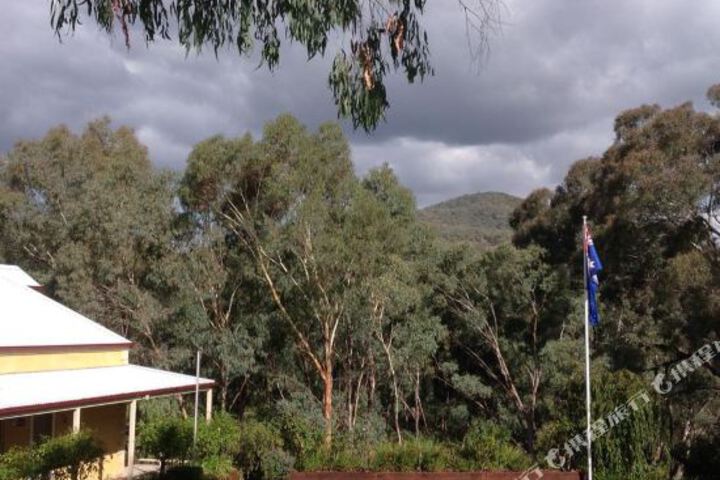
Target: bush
423,455
218,444
72,456
341,458
166,438
216,467
301,426
19,463
261,454
487,446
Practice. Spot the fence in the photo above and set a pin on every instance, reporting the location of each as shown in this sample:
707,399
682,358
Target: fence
546,475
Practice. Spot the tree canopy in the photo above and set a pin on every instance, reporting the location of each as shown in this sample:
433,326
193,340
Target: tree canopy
345,334
384,36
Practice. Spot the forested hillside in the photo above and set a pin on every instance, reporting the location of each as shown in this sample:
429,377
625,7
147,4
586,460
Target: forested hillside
479,219
344,334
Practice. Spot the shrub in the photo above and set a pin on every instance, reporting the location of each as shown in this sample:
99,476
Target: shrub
300,425
218,466
261,454
218,444
72,456
341,458
19,463
418,454
487,446
166,438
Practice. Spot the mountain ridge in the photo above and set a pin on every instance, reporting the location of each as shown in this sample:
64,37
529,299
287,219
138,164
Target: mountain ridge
480,219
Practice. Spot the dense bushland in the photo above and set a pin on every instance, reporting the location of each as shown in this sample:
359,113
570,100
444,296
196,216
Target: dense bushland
343,334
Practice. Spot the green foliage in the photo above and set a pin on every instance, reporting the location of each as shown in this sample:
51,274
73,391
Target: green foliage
216,467
488,446
652,200
261,452
91,218
346,336
637,448
72,457
416,454
19,462
713,95
506,306
300,426
166,438
218,443
383,36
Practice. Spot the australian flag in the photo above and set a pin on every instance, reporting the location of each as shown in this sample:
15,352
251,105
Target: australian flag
593,266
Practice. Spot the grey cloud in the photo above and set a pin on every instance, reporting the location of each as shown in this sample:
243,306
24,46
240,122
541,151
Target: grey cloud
559,65
435,168
556,76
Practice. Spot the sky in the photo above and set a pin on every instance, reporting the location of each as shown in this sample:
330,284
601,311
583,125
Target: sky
545,95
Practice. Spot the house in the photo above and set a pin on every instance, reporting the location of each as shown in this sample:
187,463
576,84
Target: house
61,372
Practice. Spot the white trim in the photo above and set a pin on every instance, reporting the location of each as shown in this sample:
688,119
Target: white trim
76,420
23,394
208,405
131,433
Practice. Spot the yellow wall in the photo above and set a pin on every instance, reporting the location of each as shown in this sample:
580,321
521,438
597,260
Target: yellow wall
68,359
108,426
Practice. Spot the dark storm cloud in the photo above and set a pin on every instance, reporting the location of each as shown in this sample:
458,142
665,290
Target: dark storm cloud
556,66
546,95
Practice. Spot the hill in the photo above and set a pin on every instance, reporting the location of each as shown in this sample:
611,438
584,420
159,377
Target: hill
480,219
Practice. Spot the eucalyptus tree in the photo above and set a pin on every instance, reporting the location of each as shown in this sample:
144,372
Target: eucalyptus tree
398,294
652,198
91,218
292,210
382,35
216,306
507,305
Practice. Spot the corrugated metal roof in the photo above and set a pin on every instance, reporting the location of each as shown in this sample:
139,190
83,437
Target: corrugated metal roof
15,274
26,393
30,319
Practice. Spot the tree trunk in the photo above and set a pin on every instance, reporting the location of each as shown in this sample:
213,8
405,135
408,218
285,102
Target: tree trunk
224,381
396,395
372,384
327,404
418,404
397,409
530,433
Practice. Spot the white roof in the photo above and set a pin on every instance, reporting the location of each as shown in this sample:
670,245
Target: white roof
30,319
25,393
17,275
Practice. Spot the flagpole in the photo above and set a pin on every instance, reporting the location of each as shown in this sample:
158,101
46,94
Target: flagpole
587,353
